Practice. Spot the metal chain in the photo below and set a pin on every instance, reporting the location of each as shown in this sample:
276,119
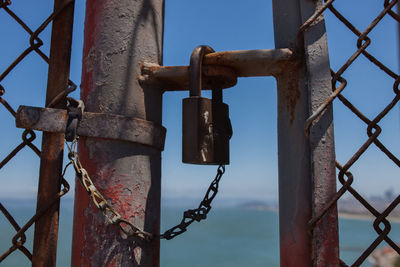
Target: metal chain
97,198
128,228
198,214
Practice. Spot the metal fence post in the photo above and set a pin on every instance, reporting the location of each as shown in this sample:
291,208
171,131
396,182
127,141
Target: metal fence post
307,177
46,228
119,37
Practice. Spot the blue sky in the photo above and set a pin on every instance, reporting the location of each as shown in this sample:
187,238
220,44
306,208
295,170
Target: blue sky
224,25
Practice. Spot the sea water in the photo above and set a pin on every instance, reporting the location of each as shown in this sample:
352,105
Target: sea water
229,237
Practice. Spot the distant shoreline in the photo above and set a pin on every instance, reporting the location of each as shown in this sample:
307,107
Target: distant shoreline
254,205
341,214
365,217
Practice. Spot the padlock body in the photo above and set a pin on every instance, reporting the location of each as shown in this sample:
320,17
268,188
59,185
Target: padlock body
222,132
203,142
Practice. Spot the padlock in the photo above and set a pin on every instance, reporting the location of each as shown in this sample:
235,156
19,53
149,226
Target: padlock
206,128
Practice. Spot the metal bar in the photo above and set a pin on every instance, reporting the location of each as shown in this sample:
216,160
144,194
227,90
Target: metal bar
119,36
321,137
306,166
176,78
221,68
46,228
250,63
102,125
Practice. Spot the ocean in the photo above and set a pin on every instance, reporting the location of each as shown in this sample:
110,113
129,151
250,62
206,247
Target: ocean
231,237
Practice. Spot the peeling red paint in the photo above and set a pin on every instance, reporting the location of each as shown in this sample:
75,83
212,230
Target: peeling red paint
126,198
93,15
96,242
81,214
89,226
326,231
290,76
124,201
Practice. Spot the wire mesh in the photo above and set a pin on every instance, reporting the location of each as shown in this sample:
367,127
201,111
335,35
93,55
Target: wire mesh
381,224
35,43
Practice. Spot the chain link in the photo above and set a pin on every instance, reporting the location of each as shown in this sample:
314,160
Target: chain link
373,130
198,214
112,216
19,238
28,136
339,83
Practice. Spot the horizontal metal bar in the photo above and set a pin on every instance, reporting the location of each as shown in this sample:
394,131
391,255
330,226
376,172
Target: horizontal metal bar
101,125
220,69
177,78
252,63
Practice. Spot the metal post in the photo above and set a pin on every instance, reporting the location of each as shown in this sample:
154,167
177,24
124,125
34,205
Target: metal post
46,228
119,37
307,177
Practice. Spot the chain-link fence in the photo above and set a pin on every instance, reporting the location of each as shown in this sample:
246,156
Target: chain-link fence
35,43
381,224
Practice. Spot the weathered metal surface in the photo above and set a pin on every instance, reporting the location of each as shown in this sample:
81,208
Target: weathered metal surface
197,131
251,63
205,137
97,199
221,69
176,78
293,150
102,125
119,36
122,128
41,119
306,167
381,224
321,137
46,227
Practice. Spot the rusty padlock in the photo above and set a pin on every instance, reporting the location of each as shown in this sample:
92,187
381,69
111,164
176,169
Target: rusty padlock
206,128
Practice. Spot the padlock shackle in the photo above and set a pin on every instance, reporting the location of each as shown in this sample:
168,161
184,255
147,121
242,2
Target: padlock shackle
196,69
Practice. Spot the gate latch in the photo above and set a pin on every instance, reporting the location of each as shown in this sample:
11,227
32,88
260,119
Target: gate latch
100,125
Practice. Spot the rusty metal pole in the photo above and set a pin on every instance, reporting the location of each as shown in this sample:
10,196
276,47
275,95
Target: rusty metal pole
307,178
46,228
119,36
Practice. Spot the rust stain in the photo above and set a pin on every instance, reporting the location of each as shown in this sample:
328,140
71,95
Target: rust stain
97,243
93,14
81,200
83,213
291,90
127,199
327,249
149,69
